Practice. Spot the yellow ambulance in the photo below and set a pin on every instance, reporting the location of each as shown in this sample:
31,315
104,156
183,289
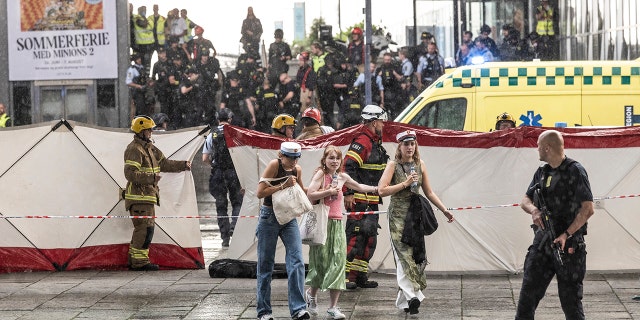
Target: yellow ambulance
537,93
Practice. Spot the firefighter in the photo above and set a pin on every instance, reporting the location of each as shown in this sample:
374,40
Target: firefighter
505,121
365,162
283,125
143,163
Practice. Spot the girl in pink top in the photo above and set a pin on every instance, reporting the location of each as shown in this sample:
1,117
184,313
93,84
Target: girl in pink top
327,262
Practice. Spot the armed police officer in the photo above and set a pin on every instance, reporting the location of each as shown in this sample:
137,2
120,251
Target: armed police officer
564,187
224,179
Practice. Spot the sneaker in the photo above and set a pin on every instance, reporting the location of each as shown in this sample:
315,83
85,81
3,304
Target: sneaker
636,298
312,305
146,267
351,285
414,304
267,316
334,313
302,314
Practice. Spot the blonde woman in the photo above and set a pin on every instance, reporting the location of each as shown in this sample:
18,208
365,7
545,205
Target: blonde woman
326,262
396,182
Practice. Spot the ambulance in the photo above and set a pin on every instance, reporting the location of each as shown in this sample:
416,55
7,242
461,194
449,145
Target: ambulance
537,93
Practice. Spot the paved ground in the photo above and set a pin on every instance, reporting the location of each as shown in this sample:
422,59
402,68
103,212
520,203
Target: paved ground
192,294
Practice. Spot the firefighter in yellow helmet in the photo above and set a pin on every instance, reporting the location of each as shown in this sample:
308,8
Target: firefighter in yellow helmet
283,125
143,163
505,121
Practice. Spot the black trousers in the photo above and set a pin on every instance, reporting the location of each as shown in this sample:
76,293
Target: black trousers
223,182
539,269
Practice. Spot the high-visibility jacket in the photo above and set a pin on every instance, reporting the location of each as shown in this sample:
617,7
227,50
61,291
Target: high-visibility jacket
318,61
545,25
4,118
159,28
142,161
143,35
188,36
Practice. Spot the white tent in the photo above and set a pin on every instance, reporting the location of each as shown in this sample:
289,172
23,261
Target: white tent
487,170
70,169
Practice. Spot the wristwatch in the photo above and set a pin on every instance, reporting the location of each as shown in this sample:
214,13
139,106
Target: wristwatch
566,232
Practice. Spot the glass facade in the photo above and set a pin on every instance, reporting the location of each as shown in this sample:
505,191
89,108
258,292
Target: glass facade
585,29
599,29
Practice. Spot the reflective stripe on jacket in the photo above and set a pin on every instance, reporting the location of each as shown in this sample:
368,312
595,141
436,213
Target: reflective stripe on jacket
160,28
142,161
143,35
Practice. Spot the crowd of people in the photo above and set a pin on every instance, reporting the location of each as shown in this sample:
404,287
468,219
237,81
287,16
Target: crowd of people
261,95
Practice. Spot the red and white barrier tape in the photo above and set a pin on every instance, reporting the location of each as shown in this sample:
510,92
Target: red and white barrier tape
355,213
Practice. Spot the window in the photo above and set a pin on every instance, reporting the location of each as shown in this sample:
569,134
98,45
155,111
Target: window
442,114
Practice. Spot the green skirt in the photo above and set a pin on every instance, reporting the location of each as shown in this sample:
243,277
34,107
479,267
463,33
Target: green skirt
327,262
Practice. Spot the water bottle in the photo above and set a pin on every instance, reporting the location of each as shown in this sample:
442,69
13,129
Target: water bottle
334,184
414,185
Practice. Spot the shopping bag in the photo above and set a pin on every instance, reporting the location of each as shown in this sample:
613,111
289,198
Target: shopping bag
289,203
313,225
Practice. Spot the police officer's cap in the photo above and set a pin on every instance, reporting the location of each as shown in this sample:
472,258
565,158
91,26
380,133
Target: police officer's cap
233,75
136,56
425,35
224,114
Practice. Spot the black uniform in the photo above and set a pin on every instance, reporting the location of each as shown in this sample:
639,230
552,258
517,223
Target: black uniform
234,99
209,86
277,66
266,108
563,189
391,88
223,181
161,87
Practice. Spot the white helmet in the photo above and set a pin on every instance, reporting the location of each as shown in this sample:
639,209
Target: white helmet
373,112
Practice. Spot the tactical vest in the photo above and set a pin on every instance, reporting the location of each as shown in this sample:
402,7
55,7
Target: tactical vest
221,157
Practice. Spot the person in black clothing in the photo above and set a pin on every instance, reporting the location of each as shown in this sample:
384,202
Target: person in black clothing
160,77
210,75
326,93
224,179
290,93
176,74
266,108
251,74
485,31
251,32
388,71
279,54
237,100
564,185
191,99
306,77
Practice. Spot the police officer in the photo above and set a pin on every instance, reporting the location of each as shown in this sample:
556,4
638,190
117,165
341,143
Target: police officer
143,163
279,54
505,121
266,108
564,185
224,179
136,80
237,100
365,162
160,77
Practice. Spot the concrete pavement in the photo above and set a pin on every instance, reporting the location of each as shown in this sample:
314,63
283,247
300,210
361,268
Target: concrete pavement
192,294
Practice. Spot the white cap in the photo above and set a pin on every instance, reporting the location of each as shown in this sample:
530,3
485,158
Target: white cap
291,149
373,112
407,135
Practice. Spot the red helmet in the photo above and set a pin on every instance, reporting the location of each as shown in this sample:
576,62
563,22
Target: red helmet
312,113
304,55
357,31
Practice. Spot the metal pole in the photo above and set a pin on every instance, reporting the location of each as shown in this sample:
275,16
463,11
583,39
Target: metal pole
367,53
414,38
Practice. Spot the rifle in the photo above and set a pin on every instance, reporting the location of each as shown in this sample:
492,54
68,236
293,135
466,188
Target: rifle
549,234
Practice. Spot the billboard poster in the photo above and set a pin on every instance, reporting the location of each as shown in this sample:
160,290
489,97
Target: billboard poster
62,39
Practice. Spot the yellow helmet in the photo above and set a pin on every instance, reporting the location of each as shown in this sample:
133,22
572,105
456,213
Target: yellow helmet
140,123
282,120
504,117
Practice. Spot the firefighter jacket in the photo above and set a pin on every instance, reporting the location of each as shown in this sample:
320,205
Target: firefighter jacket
142,161
365,162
